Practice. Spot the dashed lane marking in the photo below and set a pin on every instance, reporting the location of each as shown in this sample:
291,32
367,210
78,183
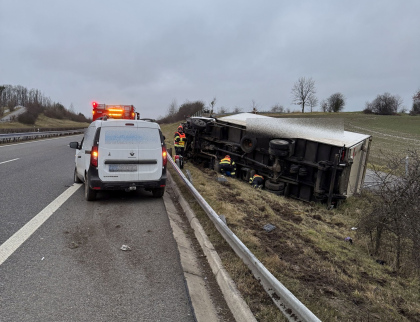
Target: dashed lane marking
9,161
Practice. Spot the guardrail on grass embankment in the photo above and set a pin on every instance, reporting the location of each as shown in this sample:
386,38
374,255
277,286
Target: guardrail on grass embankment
290,306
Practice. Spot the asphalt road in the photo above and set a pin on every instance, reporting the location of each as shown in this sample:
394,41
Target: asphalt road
72,268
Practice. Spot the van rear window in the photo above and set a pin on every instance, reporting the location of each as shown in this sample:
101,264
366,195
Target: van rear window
145,138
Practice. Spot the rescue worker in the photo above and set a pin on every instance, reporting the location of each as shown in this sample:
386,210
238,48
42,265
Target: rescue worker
179,141
227,166
257,181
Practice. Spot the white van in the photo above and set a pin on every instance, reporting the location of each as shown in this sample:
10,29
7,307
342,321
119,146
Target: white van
121,155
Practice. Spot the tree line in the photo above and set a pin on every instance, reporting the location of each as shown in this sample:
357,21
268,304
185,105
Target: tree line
303,94
35,103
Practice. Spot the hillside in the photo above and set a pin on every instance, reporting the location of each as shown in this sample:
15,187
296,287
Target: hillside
44,122
307,252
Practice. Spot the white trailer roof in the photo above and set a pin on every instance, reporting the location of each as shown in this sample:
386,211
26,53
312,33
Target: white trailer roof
324,130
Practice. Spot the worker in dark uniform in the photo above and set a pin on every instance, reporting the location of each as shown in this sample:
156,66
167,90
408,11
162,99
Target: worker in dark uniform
257,181
227,166
179,141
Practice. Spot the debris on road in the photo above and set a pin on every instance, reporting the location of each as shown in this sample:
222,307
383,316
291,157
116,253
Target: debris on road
125,248
269,227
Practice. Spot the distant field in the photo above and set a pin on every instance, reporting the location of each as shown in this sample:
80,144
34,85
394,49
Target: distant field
43,122
390,133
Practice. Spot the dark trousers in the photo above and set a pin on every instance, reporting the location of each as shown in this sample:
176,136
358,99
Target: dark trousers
179,151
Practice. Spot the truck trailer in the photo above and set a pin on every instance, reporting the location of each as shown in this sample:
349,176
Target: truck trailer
302,158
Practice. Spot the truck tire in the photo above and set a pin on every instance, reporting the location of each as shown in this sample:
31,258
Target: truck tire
279,144
198,124
248,144
274,186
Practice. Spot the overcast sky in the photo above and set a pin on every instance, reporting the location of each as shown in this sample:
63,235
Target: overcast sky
150,53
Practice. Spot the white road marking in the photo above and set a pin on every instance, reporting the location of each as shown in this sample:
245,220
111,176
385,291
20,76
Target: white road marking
14,242
9,161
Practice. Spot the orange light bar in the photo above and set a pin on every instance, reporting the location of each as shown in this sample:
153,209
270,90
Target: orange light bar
116,110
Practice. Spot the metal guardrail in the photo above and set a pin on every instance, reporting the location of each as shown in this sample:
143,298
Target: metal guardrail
18,137
289,305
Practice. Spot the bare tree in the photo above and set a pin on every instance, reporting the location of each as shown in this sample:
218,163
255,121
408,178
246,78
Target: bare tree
254,107
237,110
394,219
212,103
324,106
415,110
223,110
302,91
312,101
277,108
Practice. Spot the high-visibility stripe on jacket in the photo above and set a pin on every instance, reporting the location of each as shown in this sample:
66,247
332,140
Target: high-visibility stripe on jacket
226,161
251,180
179,139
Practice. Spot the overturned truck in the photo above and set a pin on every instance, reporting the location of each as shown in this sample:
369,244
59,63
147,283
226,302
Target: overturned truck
306,159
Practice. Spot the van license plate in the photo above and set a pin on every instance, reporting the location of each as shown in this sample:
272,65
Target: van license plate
122,167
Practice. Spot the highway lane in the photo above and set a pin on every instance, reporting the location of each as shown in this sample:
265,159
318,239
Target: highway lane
42,170
72,267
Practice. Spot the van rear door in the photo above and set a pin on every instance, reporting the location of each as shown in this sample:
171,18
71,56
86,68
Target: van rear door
129,151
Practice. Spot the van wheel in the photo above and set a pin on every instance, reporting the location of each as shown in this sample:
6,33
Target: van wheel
76,178
90,194
158,192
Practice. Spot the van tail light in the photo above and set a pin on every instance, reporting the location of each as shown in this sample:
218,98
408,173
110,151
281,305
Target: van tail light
94,156
164,156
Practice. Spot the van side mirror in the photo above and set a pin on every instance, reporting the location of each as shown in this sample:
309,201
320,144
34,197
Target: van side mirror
74,145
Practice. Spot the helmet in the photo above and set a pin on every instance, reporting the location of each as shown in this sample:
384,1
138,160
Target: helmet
227,156
180,128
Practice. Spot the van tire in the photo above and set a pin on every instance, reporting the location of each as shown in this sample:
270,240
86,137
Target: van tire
158,192
90,194
76,178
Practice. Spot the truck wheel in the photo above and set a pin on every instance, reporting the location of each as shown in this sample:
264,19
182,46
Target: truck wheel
274,186
76,178
198,124
90,194
279,144
248,144
158,192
